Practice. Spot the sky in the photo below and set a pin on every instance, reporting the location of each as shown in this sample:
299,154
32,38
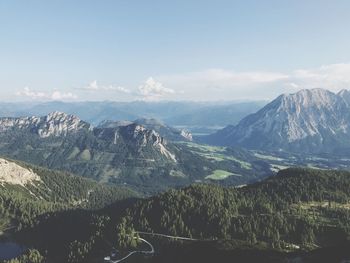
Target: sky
125,50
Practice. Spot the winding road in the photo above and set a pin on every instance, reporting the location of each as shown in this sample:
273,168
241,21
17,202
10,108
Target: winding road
151,251
167,236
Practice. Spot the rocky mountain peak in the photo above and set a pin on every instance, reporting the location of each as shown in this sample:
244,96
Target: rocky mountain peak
144,137
59,123
53,124
308,98
308,120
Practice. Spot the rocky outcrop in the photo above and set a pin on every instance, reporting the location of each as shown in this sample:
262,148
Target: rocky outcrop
12,173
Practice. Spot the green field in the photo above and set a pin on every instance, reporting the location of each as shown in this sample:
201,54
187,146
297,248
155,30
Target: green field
267,157
220,175
216,153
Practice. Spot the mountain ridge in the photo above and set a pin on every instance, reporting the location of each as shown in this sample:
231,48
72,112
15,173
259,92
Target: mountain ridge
53,124
314,120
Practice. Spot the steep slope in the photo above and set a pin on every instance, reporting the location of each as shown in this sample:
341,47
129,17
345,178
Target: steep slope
13,174
308,121
28,191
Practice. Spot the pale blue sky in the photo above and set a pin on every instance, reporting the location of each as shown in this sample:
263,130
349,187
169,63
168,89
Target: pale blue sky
202,50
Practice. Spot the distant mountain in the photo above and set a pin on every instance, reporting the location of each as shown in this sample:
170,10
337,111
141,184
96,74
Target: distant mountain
190,114
312,121
169,133
54,124
213,116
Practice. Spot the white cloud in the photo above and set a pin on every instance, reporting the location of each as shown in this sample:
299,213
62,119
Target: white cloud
221,84
225,77
39,95
212,84
154,90
94,87
333,77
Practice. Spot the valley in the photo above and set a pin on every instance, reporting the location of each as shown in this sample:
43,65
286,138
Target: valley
116,189
179,131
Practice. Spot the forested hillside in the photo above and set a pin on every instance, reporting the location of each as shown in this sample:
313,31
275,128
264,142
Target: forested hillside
280,218
20,205
302,207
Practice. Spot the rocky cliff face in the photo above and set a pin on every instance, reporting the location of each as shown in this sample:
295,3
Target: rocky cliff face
137,137
12,173
310,120
54,124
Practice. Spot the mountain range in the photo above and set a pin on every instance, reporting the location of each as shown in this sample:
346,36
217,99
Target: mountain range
65,142
132,153
227,203
195,116
309,121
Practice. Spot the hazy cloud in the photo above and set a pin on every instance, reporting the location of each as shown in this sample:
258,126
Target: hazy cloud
39,95
94,87
212,84
221,84
223,77
154,90
333,77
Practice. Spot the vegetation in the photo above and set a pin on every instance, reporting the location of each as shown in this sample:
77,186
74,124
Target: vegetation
31,256
56,192
95,155
219,175
280,211
297,208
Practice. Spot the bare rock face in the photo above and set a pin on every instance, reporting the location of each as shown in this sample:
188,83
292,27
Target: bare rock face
54,124
314,120
137,137
58,123
187,135
12,173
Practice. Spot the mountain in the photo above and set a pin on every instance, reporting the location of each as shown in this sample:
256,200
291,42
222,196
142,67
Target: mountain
190,115
62,141
54,124
167,132
122,153
310,121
